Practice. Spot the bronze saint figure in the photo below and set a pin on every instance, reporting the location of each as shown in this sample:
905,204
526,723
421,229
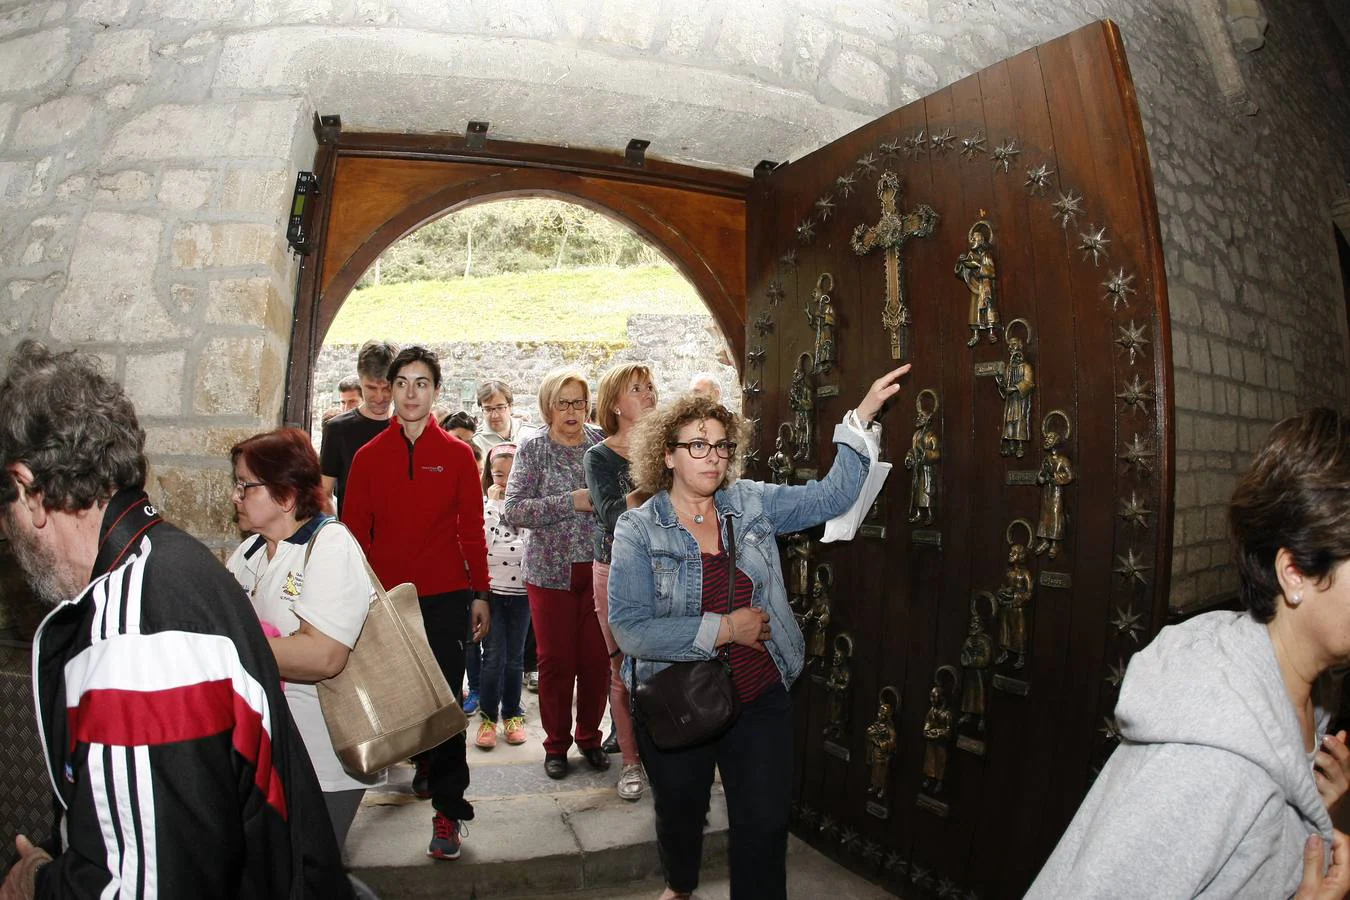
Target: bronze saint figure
937,732
802,400
1016,384
822,321
925,451
1055,474
780,464
1014,600
799,570
837,684
977,656
976,268
881,741
819,616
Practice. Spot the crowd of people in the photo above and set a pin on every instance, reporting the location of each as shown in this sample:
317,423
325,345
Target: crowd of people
177,701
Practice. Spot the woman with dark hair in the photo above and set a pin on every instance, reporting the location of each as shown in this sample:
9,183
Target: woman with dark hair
307,580
675,595
1226,782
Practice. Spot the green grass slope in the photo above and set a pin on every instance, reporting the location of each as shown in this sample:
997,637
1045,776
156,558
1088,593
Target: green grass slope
575,305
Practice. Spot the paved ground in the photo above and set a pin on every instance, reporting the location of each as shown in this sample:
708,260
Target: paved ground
536,837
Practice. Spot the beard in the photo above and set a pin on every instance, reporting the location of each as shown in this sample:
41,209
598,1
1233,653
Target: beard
40,565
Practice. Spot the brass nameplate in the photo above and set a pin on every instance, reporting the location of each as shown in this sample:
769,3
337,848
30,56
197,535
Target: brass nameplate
876,809
926,536
933,805
806,474
970,745
873,531
1012,685
827,390
838,752
985,369
1021,476
1056,580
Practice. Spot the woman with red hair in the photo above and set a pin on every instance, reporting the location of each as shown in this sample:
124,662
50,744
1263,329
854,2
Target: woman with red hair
308,583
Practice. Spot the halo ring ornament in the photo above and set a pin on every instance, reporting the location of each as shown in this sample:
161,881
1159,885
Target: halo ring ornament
1068,426
895,696
1026,328
844,642
918,402
952,673
1008,532
975,604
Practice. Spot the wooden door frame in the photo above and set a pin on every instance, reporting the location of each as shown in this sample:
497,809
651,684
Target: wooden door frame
648,196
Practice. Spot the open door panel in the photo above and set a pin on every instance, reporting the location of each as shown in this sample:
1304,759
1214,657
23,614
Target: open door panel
1025,188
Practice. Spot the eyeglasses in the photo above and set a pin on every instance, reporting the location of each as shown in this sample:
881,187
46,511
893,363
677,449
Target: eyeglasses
698,449
565,405
240,488
496,408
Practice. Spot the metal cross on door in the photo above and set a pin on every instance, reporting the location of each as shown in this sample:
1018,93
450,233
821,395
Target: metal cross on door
890,233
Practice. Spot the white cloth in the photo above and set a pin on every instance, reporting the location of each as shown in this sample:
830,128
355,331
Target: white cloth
333,595
505,550
843,528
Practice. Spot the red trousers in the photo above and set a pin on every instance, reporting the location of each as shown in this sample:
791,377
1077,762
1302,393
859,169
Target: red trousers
571,653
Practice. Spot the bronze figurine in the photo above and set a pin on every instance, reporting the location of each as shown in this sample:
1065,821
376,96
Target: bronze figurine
977,656
1014,599
976,268
1016,384
891,233
925,451
799,570
881,743
1054,475
837,685
819,615
937,731
780,463
822,321
802,400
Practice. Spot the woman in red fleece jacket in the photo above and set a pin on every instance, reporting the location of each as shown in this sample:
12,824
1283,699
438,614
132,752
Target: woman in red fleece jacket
415,505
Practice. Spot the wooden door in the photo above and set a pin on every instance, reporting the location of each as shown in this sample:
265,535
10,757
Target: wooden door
1047,149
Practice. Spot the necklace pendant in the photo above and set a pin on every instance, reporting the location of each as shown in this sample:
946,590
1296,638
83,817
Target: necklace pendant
698,519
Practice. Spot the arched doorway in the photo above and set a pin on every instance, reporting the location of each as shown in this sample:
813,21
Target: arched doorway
374,189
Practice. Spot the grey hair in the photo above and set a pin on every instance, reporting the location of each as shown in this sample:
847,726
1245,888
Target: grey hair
75,429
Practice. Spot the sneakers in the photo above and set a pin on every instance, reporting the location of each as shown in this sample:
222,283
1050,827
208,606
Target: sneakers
532,682
631,782
515,730
487,735
446,837
471,703
421,783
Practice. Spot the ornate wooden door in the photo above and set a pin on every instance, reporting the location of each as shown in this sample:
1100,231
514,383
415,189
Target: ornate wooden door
1036,173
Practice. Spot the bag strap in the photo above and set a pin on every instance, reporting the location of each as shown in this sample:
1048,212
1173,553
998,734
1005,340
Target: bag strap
731,576
309,544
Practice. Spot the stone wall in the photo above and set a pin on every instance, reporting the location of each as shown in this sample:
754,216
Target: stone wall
696,347
147,149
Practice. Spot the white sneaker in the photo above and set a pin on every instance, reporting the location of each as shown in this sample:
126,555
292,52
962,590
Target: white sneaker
632,782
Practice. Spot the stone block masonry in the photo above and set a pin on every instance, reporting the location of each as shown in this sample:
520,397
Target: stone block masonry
147,152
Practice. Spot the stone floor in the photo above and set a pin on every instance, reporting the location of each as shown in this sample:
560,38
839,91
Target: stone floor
536,837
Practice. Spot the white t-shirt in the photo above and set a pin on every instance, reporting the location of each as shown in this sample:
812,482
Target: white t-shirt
333,595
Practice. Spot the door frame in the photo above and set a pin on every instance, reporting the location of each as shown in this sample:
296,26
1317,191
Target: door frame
667,204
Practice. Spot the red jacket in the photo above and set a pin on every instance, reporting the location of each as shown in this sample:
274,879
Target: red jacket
417,510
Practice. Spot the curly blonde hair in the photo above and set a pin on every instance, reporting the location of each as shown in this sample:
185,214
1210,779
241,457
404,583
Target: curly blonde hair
654,433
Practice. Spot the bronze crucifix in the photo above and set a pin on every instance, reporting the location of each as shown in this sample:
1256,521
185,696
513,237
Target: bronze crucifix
890,233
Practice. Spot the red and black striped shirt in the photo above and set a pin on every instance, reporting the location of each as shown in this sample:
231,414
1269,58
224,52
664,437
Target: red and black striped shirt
752,672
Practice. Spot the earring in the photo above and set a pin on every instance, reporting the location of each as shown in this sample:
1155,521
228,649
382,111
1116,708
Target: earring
1296,599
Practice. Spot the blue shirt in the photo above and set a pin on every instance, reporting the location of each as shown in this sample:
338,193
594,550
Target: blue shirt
656,570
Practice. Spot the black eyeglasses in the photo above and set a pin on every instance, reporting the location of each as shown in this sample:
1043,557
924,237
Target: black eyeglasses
565,405
698,449
241,487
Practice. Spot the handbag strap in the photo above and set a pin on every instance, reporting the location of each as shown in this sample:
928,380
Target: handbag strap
731,569
309,544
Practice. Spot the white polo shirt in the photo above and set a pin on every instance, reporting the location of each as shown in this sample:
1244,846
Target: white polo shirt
332,593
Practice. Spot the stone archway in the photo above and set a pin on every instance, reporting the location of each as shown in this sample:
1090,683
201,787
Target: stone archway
373,195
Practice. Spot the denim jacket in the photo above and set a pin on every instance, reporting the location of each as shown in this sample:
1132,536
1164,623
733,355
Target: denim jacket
656,574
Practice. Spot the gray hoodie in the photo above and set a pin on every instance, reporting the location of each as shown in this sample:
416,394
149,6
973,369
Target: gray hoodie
1211,792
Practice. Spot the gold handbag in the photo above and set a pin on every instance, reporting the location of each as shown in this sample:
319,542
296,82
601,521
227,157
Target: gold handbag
391,700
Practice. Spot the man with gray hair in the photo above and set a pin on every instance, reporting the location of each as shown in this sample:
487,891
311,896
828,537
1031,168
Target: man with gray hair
170,748
705,385
349,431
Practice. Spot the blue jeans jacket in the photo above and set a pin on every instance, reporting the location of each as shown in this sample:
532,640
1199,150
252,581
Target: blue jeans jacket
656,571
